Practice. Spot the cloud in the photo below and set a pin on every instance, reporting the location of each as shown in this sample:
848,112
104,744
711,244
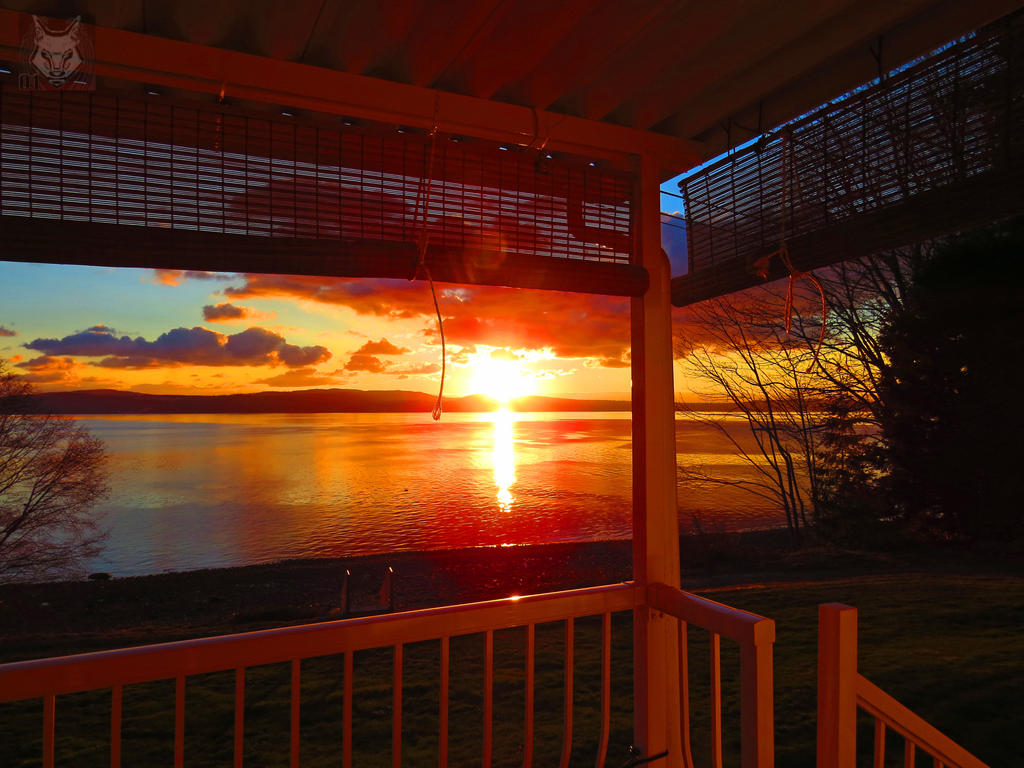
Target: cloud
571,325
47,369
608,362
183,346
7,332
504,354
225,312
367,363
382,347
176,276
380,298
421,369
301,377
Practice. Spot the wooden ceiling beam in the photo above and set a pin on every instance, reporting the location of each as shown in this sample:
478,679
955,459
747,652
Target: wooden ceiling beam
287,29
174,64
715,57
203,23
597,39
857,26
115,245
618,75
499,55
439,37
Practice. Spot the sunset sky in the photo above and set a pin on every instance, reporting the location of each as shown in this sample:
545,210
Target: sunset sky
71,327
68,327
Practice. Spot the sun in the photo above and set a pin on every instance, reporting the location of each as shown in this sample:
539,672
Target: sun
500,379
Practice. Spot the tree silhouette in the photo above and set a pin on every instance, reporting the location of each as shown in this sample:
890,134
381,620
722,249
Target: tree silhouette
953,423
51,477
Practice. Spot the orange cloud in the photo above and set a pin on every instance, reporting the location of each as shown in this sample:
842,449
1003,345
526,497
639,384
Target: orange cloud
367,363
300,377
47,369
422,369
571,325
7,332
225,312
382,347
175,276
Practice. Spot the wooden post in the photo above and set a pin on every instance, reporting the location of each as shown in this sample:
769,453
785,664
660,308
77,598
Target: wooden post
655,525
837,686
387,600
757,695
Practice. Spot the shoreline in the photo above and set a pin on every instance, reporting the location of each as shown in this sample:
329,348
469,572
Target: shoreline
59,618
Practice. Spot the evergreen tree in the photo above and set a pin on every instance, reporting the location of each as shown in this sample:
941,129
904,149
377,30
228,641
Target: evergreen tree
952,422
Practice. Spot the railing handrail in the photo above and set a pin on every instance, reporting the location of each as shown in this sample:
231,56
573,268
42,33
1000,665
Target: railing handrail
733,623
102,669
905,722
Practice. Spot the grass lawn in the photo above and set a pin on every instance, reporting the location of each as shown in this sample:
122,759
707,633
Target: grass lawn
948,646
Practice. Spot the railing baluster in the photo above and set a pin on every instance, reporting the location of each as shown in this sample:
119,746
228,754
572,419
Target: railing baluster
684,694
909,754
396,711
606,688
296,703
879,760
346,727
716,701
567,718
443,699
239,716
179,722
531,643
488,696
49,711
115,726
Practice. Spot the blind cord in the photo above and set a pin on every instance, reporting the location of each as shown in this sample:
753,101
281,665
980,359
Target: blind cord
423,194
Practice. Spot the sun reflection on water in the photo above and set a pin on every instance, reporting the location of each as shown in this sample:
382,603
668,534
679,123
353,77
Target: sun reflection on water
504,458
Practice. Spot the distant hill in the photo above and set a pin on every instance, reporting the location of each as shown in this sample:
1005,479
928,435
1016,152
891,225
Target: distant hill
95,401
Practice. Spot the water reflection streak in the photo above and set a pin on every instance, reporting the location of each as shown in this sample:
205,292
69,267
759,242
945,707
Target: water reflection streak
504,456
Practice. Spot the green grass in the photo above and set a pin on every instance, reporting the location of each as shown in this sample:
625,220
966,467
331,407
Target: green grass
946,646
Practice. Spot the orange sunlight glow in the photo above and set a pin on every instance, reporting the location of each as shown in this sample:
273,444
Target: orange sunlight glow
500,379
504,456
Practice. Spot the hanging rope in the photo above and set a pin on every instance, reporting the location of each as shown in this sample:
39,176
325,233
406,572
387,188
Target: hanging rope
783,253
423,194
794,275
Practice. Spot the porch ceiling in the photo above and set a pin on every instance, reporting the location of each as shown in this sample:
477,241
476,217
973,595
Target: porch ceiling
710,73
603,80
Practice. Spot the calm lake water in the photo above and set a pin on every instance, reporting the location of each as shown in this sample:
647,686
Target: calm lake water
199,491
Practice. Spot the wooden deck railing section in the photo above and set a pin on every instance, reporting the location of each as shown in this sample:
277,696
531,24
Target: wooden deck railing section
842,690
755,635
47,679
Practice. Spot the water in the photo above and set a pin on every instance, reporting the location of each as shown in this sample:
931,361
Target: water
200,491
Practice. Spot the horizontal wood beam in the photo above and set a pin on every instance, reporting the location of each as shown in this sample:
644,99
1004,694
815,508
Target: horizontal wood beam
971,203
203,69
116,245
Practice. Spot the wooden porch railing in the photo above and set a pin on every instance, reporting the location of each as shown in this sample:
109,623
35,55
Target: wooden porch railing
842,690
755,635
48,679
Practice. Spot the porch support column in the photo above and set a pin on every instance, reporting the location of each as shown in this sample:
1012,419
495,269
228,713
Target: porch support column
655,526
